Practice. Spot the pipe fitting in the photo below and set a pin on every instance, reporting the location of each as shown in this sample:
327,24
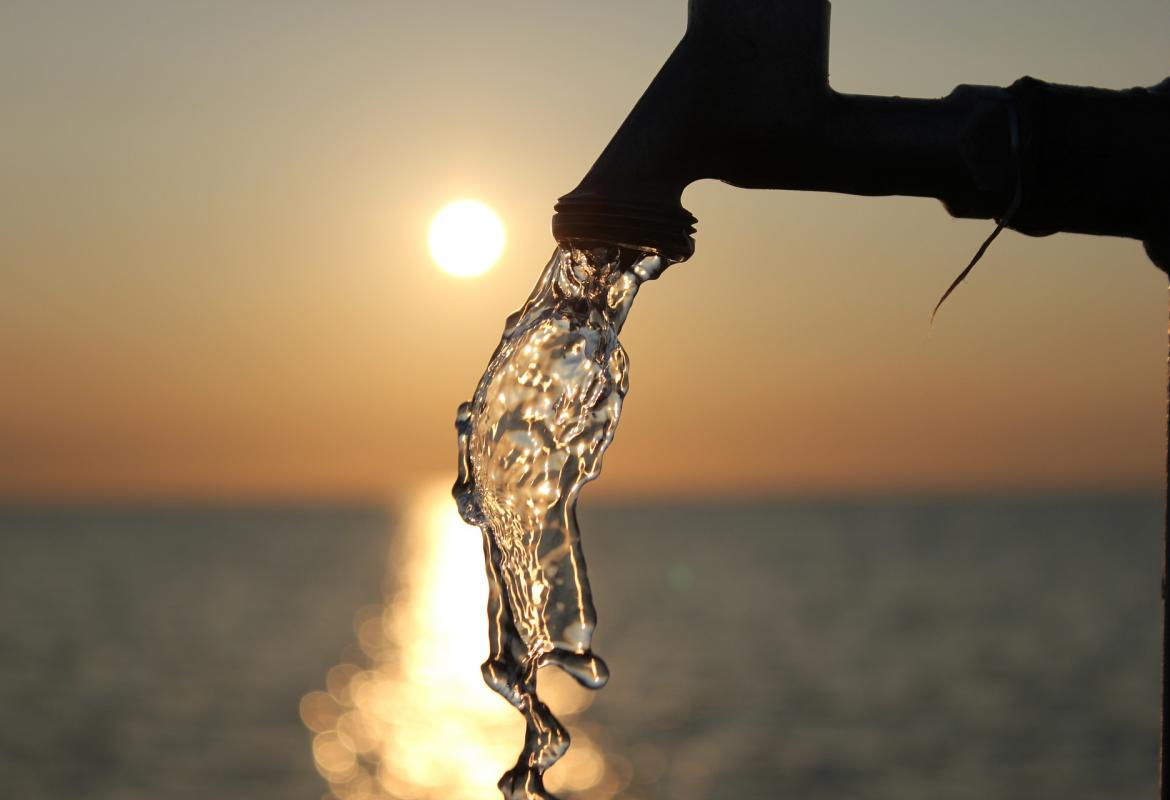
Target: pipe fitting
745,98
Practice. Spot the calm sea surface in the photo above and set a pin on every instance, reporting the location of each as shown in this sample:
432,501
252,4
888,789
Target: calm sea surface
899,650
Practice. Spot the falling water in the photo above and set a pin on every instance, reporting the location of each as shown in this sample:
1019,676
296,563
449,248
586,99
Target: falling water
403,715
533,434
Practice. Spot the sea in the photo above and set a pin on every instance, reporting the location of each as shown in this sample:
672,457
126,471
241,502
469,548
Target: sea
884,648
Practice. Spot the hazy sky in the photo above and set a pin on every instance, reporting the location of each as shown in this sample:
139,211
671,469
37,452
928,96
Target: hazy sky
214,279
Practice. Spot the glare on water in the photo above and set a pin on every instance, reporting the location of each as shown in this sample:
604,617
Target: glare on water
414,721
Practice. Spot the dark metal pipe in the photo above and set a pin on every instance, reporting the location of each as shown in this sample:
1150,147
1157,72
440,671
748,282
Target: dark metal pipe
954,149
745,99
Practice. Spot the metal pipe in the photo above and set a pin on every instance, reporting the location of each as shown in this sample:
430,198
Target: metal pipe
745,98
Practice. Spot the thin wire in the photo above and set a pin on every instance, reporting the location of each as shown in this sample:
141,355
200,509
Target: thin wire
1014,125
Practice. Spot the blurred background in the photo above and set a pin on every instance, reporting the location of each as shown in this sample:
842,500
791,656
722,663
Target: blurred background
835,552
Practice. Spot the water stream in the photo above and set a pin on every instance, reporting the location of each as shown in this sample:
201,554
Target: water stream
531,437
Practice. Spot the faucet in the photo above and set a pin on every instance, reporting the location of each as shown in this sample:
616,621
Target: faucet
745,98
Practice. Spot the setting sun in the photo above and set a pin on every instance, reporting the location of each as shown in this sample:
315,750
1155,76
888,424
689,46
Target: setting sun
466,238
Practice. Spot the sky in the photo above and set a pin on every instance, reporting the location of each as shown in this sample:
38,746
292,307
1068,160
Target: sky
215,281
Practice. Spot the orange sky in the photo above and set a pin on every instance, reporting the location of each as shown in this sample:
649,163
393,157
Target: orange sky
216,285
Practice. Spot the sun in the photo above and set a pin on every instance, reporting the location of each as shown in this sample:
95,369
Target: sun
466,238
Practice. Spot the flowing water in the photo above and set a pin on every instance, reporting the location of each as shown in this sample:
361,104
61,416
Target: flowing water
531,437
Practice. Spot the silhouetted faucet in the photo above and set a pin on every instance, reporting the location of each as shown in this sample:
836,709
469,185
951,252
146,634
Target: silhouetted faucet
745,98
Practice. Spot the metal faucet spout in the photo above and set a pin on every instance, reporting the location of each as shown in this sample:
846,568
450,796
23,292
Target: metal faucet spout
745,98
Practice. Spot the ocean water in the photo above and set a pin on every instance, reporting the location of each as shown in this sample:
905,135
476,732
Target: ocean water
880,649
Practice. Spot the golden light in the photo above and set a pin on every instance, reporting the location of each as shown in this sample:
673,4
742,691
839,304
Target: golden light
466,238
416,722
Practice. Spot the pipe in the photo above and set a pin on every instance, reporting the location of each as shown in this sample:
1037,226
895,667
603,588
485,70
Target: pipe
745,98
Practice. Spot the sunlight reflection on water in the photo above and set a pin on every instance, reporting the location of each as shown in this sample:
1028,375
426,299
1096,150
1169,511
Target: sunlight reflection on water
415,721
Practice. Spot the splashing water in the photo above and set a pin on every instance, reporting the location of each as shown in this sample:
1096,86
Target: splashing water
532,436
